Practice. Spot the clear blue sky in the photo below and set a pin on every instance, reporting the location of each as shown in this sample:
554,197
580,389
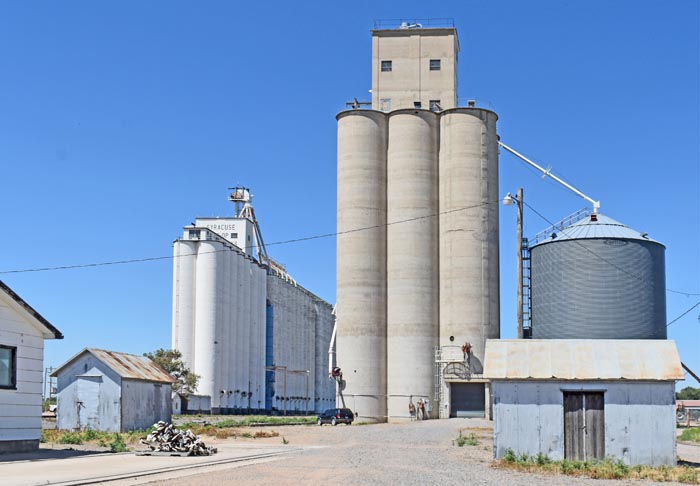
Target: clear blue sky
121,122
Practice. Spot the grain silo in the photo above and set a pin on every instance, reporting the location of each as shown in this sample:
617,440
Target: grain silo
412,256
417,261
598,279
361,263
243,324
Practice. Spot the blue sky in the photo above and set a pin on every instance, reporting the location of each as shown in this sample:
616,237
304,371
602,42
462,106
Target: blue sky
121,122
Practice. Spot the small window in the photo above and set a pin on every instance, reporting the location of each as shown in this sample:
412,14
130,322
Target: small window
435,64
234,236
8,367
435,105
386,66
194,234
385,104
417,104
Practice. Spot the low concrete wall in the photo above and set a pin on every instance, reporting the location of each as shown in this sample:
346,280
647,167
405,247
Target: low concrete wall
9,446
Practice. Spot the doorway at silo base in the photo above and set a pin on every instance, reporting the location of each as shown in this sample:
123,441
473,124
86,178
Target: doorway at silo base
467,400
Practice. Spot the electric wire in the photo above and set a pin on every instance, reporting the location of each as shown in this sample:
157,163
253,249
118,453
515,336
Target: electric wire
682,315
612,264
249,247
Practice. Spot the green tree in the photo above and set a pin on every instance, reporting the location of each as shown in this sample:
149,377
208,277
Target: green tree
688,393
171,361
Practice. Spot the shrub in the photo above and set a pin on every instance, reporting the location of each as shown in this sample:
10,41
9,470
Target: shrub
509,456
117,444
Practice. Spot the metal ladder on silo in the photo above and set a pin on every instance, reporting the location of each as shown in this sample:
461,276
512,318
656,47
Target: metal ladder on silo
527,301
438,375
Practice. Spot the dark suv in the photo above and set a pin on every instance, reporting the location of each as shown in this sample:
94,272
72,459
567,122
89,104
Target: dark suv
336,416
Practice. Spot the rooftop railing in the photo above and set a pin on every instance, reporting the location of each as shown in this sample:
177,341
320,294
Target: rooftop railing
437,23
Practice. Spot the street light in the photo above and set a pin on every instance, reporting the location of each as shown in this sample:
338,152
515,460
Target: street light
508,201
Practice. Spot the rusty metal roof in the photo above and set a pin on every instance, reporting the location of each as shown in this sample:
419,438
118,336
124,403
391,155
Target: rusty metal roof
582,359
128,366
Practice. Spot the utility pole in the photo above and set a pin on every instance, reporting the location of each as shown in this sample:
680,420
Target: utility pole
518,200
307,392
519,232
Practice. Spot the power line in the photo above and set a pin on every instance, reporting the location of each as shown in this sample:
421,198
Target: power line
686,312
284,242
612,264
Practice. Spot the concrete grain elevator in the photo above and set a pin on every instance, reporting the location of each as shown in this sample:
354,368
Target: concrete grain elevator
417,285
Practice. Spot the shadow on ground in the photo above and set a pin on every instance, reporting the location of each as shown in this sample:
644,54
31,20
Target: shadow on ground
45,454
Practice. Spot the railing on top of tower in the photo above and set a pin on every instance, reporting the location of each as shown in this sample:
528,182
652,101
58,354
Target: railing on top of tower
404,24
561,225
356,104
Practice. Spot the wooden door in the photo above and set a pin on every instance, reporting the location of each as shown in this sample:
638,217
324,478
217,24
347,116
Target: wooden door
584,426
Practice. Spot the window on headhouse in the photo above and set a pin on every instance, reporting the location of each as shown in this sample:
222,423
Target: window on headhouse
385,104
194,234
435,105
435,64
417,104
234,235
386,66
8,367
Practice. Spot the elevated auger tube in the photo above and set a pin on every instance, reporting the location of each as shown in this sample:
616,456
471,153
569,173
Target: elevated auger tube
547,172
332,343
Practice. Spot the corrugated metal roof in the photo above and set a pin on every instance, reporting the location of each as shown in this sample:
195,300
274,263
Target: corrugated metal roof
128,366
689,403
582,359
603,227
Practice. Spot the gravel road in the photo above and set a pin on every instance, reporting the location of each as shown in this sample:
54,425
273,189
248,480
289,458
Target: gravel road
413,453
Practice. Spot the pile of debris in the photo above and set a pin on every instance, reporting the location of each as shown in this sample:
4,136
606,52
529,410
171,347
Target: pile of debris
166,438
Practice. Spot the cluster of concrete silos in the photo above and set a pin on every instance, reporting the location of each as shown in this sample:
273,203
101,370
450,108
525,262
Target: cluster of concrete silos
417,249
219,320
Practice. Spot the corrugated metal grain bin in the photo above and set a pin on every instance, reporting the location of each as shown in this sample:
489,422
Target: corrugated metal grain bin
598,279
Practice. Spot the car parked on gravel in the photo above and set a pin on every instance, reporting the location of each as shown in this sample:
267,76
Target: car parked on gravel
335,416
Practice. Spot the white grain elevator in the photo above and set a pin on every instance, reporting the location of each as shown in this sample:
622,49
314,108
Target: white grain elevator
417,286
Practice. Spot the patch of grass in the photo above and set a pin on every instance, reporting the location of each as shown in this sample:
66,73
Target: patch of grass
284,440
463,440
253,420
607,469
118,444
690,435
102,439
70,438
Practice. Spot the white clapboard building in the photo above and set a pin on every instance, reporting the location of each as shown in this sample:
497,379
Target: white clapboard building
22,334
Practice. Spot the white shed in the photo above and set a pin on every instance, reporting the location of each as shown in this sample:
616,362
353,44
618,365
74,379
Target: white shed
189,404
113,392
22,334
585,399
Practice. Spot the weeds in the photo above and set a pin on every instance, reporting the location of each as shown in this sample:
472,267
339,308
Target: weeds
102,439
690,435
284,440
463,440
607,469
70,438
118,444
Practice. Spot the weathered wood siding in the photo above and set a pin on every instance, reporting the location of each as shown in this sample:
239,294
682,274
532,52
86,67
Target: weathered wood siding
89,396
20,409
639,419
144,403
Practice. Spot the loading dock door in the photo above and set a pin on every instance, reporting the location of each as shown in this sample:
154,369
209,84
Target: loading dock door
467,399
584,426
